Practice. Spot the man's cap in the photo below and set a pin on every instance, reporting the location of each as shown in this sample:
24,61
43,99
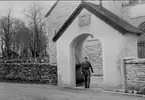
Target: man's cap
85,57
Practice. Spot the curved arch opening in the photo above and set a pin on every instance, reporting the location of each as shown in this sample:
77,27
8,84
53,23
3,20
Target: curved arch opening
86,45
76,46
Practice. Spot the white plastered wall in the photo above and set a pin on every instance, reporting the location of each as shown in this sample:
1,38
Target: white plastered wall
112,45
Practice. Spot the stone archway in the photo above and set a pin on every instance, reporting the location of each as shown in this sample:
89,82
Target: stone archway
77,53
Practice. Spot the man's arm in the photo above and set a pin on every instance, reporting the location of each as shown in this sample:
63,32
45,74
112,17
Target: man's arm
91,67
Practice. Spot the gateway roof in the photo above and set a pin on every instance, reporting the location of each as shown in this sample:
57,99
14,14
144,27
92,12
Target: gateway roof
102,13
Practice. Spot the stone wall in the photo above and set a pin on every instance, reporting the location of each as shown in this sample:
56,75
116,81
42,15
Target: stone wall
135,73
30,72
93,50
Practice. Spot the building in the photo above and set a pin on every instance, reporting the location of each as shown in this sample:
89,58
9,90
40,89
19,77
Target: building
62,10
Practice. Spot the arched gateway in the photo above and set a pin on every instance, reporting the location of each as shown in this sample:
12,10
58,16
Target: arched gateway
118,38
76,55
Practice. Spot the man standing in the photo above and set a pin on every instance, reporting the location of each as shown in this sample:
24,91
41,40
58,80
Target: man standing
85,68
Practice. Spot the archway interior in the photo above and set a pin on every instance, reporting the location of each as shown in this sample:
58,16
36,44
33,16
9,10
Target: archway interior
92,48
79,49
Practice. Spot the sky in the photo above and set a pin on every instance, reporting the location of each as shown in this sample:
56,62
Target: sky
18,6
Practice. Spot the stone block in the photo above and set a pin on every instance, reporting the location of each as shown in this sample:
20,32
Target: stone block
27,72
135,73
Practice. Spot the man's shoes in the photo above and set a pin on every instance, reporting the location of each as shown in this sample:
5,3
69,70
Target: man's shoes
87,86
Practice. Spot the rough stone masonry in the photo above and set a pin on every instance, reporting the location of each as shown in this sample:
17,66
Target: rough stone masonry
135,73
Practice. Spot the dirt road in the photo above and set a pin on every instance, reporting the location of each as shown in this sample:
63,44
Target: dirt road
9,91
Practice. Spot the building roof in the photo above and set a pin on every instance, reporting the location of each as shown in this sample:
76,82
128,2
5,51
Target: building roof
54,5
51,9
102,13
142,27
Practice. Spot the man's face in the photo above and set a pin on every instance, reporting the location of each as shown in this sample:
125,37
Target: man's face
86,59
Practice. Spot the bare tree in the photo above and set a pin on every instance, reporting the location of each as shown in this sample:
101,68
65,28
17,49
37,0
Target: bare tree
37,23
7,33
22,37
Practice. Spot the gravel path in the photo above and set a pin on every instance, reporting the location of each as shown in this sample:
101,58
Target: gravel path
9,91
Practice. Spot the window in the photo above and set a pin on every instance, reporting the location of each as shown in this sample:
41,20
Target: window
142,26
133,1
141,42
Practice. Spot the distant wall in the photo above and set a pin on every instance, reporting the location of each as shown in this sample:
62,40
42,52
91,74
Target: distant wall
35,73
135,73
55,20
93,50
